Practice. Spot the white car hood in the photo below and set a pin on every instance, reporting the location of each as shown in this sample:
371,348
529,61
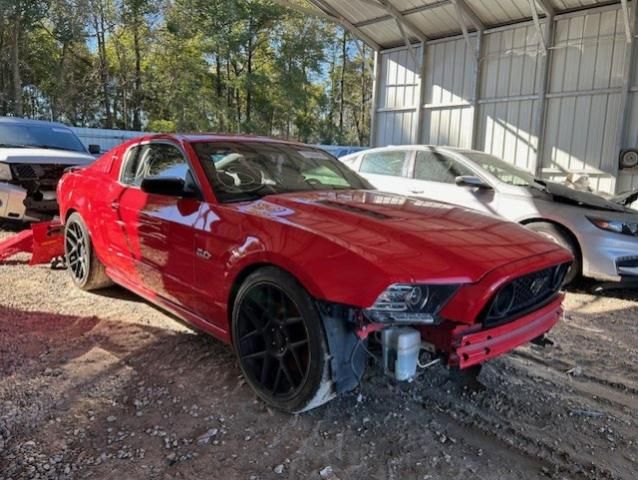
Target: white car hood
44,156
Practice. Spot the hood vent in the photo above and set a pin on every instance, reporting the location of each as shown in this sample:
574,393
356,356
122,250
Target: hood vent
352,209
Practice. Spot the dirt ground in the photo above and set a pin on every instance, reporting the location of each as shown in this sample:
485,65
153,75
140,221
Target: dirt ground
107,386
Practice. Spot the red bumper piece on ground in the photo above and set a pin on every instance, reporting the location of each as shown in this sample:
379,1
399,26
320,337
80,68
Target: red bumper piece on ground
48,242
483,345
20,242
44,241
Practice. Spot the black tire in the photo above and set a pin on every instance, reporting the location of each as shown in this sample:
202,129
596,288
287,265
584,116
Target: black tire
280,342
560,236
87,272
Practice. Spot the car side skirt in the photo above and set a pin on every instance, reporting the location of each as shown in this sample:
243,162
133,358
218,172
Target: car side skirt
187,316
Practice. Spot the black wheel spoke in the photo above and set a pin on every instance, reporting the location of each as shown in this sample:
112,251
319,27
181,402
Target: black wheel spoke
251,334
297,361
264,369
261,354
255,318
277,380
292,320
298,344
284,368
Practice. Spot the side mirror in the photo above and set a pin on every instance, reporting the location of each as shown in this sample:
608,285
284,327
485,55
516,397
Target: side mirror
471,181
167,186
94,149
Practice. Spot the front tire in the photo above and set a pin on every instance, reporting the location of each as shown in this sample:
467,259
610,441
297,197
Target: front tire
87,272
280,342
560,236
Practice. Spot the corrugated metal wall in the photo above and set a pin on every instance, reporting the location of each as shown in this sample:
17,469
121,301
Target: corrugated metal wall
449,89
583,97
398,97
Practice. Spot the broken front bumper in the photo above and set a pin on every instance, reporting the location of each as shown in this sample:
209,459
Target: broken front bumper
467,345
477,347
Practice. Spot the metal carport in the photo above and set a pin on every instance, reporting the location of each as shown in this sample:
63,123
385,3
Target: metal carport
549,85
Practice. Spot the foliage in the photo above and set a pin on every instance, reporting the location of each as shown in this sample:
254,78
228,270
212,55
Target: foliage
184,65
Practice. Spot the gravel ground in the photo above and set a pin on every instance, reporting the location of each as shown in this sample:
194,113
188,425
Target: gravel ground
106,386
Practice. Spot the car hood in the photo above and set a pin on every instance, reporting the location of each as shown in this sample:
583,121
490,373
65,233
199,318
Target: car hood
626,198
407,237
44,156
564,194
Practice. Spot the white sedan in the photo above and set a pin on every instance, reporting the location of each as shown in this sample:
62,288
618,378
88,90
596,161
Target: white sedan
602,234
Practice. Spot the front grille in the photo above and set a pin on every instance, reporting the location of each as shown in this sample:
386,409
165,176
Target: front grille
26,171
524,294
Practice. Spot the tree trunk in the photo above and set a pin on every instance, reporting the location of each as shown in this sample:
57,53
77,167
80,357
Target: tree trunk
249,72
15,67
344,58
137,88
58,100
98,23
364,92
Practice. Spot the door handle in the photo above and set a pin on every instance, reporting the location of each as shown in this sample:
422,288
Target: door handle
115,205
416,191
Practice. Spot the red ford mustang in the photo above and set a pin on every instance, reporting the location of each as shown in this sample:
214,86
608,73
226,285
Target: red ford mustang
282,251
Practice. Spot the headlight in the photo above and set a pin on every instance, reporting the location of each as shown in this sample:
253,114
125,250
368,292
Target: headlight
410,304
616,226
5,171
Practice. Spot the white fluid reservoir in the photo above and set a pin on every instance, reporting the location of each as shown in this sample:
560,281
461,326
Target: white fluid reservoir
401,347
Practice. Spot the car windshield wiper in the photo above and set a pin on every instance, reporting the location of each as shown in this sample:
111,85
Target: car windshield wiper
12,145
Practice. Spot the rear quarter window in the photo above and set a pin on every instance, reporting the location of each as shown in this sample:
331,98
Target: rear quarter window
385,163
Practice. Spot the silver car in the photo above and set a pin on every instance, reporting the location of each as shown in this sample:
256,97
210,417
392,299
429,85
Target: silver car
602,234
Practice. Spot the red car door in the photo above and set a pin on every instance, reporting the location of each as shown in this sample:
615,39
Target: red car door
159,228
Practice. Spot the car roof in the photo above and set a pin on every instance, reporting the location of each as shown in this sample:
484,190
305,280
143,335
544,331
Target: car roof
29,121
459,150
228,137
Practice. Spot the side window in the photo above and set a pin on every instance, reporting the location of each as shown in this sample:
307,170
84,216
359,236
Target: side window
154,160
131,160
385,163
435,167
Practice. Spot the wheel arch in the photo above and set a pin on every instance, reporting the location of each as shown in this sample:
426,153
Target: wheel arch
68,213
248,268
560,226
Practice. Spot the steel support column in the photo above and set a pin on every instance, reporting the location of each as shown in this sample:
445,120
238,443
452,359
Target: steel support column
628,75
420,113
375,98
477,89
541,119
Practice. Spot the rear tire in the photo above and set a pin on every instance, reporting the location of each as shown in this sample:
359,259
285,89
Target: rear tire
87,272
280,342
560,236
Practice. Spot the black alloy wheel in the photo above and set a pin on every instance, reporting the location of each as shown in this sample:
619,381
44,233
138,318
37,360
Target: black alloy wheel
279,339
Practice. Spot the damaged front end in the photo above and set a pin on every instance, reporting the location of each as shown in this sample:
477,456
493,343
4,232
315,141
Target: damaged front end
27,190
460,326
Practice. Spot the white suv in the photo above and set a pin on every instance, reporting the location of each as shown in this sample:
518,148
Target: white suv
33,157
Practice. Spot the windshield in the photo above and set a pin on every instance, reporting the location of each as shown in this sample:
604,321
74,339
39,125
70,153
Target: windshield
39,136
502,170
241,171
